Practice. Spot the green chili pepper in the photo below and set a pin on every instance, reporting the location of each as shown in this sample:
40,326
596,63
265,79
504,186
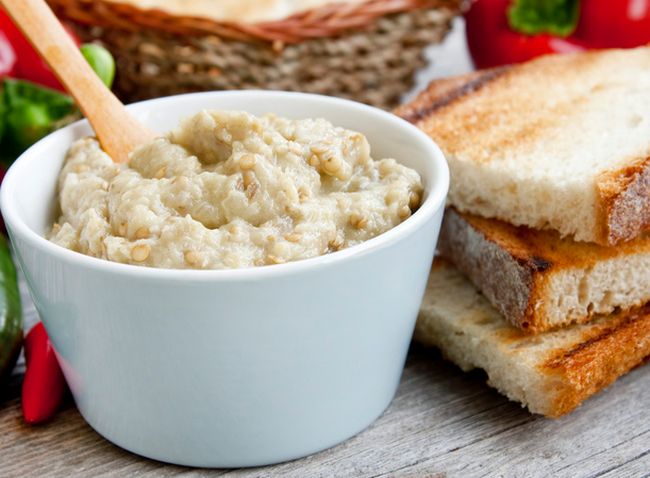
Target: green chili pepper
31,113
27,123
20,91
101,61
11,317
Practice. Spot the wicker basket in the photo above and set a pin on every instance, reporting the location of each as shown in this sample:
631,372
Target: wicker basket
368,52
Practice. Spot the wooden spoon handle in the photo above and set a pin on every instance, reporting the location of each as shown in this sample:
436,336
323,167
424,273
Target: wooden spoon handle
117,130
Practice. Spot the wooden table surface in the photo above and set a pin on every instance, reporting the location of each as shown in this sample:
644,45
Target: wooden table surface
442,422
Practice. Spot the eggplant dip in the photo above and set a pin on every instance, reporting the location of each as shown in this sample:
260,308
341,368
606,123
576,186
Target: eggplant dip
229,190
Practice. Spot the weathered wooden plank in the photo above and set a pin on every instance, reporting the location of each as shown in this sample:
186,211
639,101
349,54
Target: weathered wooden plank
636,467
608,430
621,454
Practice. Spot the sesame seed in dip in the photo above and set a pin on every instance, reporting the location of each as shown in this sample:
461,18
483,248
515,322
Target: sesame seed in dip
230,190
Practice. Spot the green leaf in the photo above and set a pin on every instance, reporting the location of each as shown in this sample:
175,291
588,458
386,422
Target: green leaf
101,61
532,17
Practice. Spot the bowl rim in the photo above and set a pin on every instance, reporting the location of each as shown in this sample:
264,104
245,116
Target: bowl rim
437,193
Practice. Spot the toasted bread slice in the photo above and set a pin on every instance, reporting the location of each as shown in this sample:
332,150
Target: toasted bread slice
539,281
561,142
550,373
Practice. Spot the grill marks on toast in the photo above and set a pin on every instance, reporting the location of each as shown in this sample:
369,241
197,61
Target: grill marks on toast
599,358
481,114
578,353
445,92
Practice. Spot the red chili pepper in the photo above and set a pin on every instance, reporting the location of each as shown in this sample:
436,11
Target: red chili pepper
44,385
492,42
29,66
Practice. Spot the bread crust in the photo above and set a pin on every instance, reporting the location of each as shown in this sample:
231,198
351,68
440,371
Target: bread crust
514,267
507,278
625,198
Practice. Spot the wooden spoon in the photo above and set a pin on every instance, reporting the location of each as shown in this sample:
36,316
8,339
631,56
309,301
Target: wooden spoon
117,130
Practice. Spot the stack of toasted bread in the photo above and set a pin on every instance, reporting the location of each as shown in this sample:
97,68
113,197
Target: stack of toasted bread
543,275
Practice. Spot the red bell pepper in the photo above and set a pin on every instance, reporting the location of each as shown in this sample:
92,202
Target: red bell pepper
43,385
614,23
8,58
29,66
511,31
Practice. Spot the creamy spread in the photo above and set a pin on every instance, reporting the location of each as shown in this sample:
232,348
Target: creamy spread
231,190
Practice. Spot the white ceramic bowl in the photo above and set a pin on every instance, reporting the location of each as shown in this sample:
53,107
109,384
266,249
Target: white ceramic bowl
235,367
